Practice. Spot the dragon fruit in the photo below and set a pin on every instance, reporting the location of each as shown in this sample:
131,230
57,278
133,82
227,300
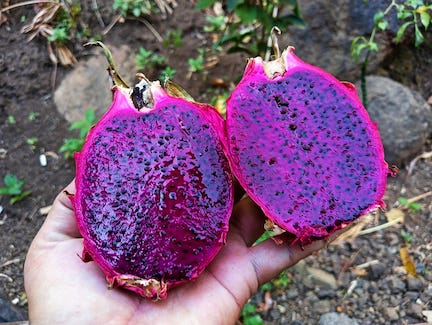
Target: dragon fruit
303,147
153,188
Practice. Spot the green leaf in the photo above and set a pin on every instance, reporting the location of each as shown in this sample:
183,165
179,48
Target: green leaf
202,4
231,4
382,25
248,309
90,116
401,31
294,20
13,184
415,206
372,46
11,119
266,286
14,199
425,19
419,38
356,51
136,12
379,16
403,201
253,320
246,13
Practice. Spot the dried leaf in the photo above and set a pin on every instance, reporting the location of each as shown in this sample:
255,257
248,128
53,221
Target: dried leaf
395,215
43,17
65,55
407,261
360,272
3,18
354,230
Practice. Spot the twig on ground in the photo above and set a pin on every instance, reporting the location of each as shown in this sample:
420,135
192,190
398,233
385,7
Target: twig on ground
411,165
95,8
12,261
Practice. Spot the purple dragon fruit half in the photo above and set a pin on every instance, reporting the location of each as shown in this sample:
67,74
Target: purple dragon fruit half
303,147
153,190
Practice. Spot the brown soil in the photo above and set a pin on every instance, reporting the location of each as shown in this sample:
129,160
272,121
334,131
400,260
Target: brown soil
25,87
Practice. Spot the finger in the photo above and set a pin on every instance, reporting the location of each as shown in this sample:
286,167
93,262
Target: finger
270,258
248,221
61,223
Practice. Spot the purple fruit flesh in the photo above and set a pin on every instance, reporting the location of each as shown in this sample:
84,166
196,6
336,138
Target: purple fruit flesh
303,147
153,192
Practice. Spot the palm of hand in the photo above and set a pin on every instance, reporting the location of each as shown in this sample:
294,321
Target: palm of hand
62,289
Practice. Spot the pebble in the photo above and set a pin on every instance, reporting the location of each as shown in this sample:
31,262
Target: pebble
325,293
391,313
411,295
397,285
376,271
333,318
292,293
414,284
322,306
275,314
322,278
415,310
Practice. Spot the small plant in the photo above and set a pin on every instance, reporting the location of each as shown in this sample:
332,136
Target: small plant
13,188
33,116
414,206
61,33
135,7
246,25
215,24
174,37
148,59
32,142
406,236
282,281
59,22
250,316
197,64
415,13
167,73
72,145
11,119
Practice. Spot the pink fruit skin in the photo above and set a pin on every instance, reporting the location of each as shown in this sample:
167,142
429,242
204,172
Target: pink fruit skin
183,205
303,147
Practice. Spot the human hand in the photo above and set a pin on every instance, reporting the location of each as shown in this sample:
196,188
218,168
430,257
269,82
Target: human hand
61,289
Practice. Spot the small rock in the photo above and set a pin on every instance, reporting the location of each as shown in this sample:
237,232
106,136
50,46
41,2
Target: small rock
275,314
415,310
404,118
414,284
9,313
311,297
322,306
376,271
292,293
411,295
391,313
333,318
322,278
325,293
397,285
88,85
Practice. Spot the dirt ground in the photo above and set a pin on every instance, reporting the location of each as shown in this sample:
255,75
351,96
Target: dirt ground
26,87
